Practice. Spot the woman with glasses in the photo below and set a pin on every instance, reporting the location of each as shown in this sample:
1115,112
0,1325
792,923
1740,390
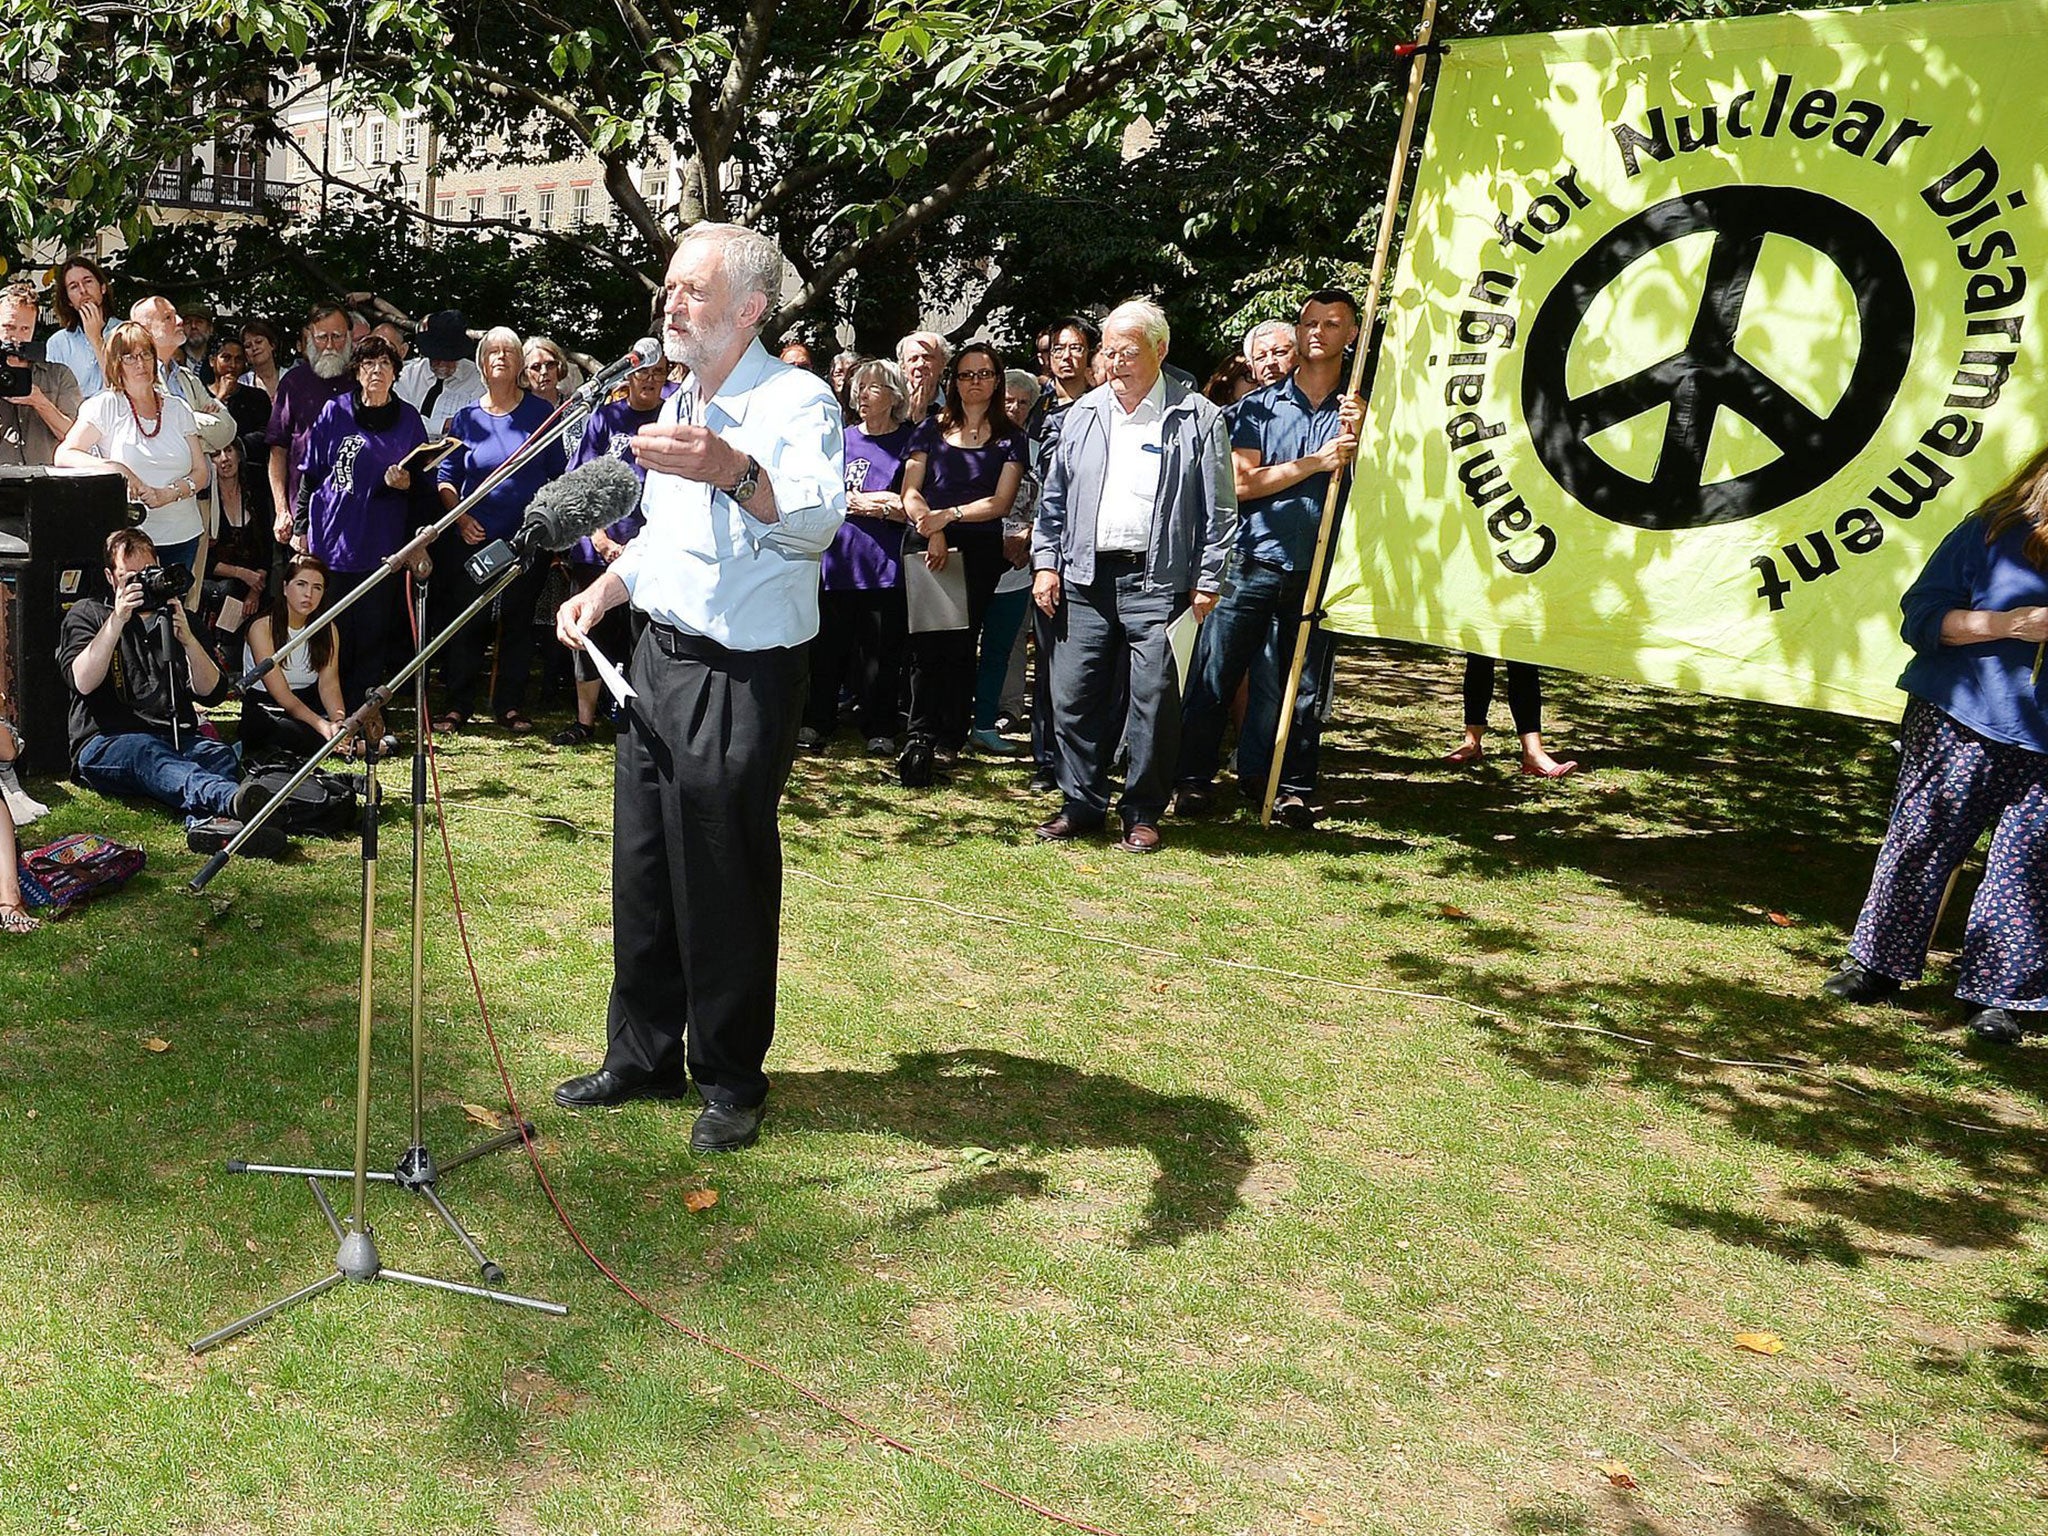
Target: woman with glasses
960,478
152,438
355,510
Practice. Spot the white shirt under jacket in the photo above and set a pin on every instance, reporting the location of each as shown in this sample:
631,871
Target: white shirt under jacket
703,563
1130,479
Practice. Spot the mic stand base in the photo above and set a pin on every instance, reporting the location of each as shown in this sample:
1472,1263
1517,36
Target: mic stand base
417,1171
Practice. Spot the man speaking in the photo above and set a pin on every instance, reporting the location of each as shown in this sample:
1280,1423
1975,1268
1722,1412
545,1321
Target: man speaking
745,490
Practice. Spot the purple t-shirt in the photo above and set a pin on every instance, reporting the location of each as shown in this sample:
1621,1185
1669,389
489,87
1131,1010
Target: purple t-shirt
955,476
488,441
609,434
866,556
301,396
355,521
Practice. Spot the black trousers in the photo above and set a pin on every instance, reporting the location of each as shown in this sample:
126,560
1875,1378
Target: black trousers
375,637
943,663
860,644
697,862
1525,693
462,662
1114,680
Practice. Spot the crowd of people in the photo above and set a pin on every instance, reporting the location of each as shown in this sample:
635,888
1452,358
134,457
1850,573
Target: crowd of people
1093,564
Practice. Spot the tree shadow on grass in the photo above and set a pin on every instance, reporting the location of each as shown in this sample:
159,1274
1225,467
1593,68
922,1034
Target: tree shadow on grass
1004,1102
1812,1114
1793,1506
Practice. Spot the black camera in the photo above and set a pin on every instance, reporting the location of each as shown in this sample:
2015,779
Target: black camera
162,585
16,379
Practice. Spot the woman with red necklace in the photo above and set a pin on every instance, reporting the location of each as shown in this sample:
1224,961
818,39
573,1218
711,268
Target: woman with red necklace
152,438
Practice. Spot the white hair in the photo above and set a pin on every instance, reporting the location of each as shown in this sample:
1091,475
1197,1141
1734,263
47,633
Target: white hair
879,370
499,336
1019,379
1261,331
1142,316
930,339
751,262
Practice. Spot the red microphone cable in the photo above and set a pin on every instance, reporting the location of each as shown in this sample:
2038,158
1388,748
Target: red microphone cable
810,1394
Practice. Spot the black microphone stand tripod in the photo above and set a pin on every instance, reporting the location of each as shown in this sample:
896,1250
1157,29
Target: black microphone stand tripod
417,1170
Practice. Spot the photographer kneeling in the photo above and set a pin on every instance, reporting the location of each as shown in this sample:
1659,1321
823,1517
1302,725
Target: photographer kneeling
134,669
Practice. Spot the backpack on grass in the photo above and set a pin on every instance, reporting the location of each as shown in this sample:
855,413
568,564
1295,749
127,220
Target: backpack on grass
74,869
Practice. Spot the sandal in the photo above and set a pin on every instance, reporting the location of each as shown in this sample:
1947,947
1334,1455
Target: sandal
451,721
574,734
516,723
14,918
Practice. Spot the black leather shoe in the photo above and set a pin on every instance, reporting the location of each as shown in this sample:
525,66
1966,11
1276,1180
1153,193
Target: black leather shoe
1193,799
726,1127
1997,1026
1855,983
605,1086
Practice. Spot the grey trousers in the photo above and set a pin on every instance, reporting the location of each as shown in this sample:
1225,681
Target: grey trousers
1112,622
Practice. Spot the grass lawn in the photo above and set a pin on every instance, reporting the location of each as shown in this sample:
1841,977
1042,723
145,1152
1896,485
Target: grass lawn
1169,1245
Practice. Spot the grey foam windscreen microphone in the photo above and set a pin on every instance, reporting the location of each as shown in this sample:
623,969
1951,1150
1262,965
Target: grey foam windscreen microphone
579,504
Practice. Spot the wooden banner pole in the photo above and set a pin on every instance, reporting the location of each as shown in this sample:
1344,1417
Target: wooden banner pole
1418,63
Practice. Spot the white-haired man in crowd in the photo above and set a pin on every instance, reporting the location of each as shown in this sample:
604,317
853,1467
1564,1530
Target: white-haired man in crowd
1134,525
746,489
1269,350
923,356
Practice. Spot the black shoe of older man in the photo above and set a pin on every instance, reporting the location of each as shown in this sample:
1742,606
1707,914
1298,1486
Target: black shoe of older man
604,1087
1999,1026
726,1127
1855,983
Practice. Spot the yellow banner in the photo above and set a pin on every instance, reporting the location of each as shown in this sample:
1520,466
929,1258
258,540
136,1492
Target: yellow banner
1702,337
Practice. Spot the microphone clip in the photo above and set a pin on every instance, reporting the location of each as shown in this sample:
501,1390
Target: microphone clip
491,562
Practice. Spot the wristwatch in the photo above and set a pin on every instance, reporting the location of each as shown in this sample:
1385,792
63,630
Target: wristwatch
742,490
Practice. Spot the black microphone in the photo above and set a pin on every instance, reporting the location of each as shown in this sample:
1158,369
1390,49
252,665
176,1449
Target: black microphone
571,508
645,354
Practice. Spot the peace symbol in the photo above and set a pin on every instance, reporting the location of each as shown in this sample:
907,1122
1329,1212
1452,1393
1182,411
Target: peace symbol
1708,375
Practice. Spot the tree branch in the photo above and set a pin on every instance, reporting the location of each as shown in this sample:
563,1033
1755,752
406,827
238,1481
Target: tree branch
957,185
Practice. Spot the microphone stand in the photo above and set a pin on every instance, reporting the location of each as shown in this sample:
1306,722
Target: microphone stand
356,1256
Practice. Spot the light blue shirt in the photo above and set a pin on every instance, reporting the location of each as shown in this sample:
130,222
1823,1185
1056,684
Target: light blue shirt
705,565
79,355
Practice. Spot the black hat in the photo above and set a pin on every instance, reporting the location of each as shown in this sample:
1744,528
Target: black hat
445,336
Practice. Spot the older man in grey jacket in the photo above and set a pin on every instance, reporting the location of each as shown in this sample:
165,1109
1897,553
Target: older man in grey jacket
1135,525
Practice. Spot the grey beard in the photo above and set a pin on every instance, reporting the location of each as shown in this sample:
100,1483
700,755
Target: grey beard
329,365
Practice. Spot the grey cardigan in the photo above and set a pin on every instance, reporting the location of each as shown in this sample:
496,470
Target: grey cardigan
1194,519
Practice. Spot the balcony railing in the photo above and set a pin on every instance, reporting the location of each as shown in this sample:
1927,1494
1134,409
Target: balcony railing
208,193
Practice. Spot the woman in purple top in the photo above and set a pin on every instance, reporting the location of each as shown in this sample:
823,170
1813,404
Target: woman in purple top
860,601
355,508
959,479
609,434
490,432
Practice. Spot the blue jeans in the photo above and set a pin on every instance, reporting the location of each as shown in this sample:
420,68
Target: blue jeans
1006,614
1252,631
199,781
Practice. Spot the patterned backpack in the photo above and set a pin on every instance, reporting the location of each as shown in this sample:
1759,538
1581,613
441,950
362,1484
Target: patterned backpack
74,869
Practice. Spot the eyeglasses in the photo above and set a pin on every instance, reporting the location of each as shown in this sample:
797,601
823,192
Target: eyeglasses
1119,354
975,375
1076,348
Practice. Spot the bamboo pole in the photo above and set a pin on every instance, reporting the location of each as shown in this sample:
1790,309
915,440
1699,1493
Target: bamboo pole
1418,63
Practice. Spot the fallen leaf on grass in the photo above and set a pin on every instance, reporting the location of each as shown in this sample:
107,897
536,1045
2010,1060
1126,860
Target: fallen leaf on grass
477,1114
1762,1342
156,1043
695,1200
1456,914
1617,1473
250,1244
1782,920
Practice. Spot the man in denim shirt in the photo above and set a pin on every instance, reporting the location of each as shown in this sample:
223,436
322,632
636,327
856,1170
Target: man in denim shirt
1288,439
